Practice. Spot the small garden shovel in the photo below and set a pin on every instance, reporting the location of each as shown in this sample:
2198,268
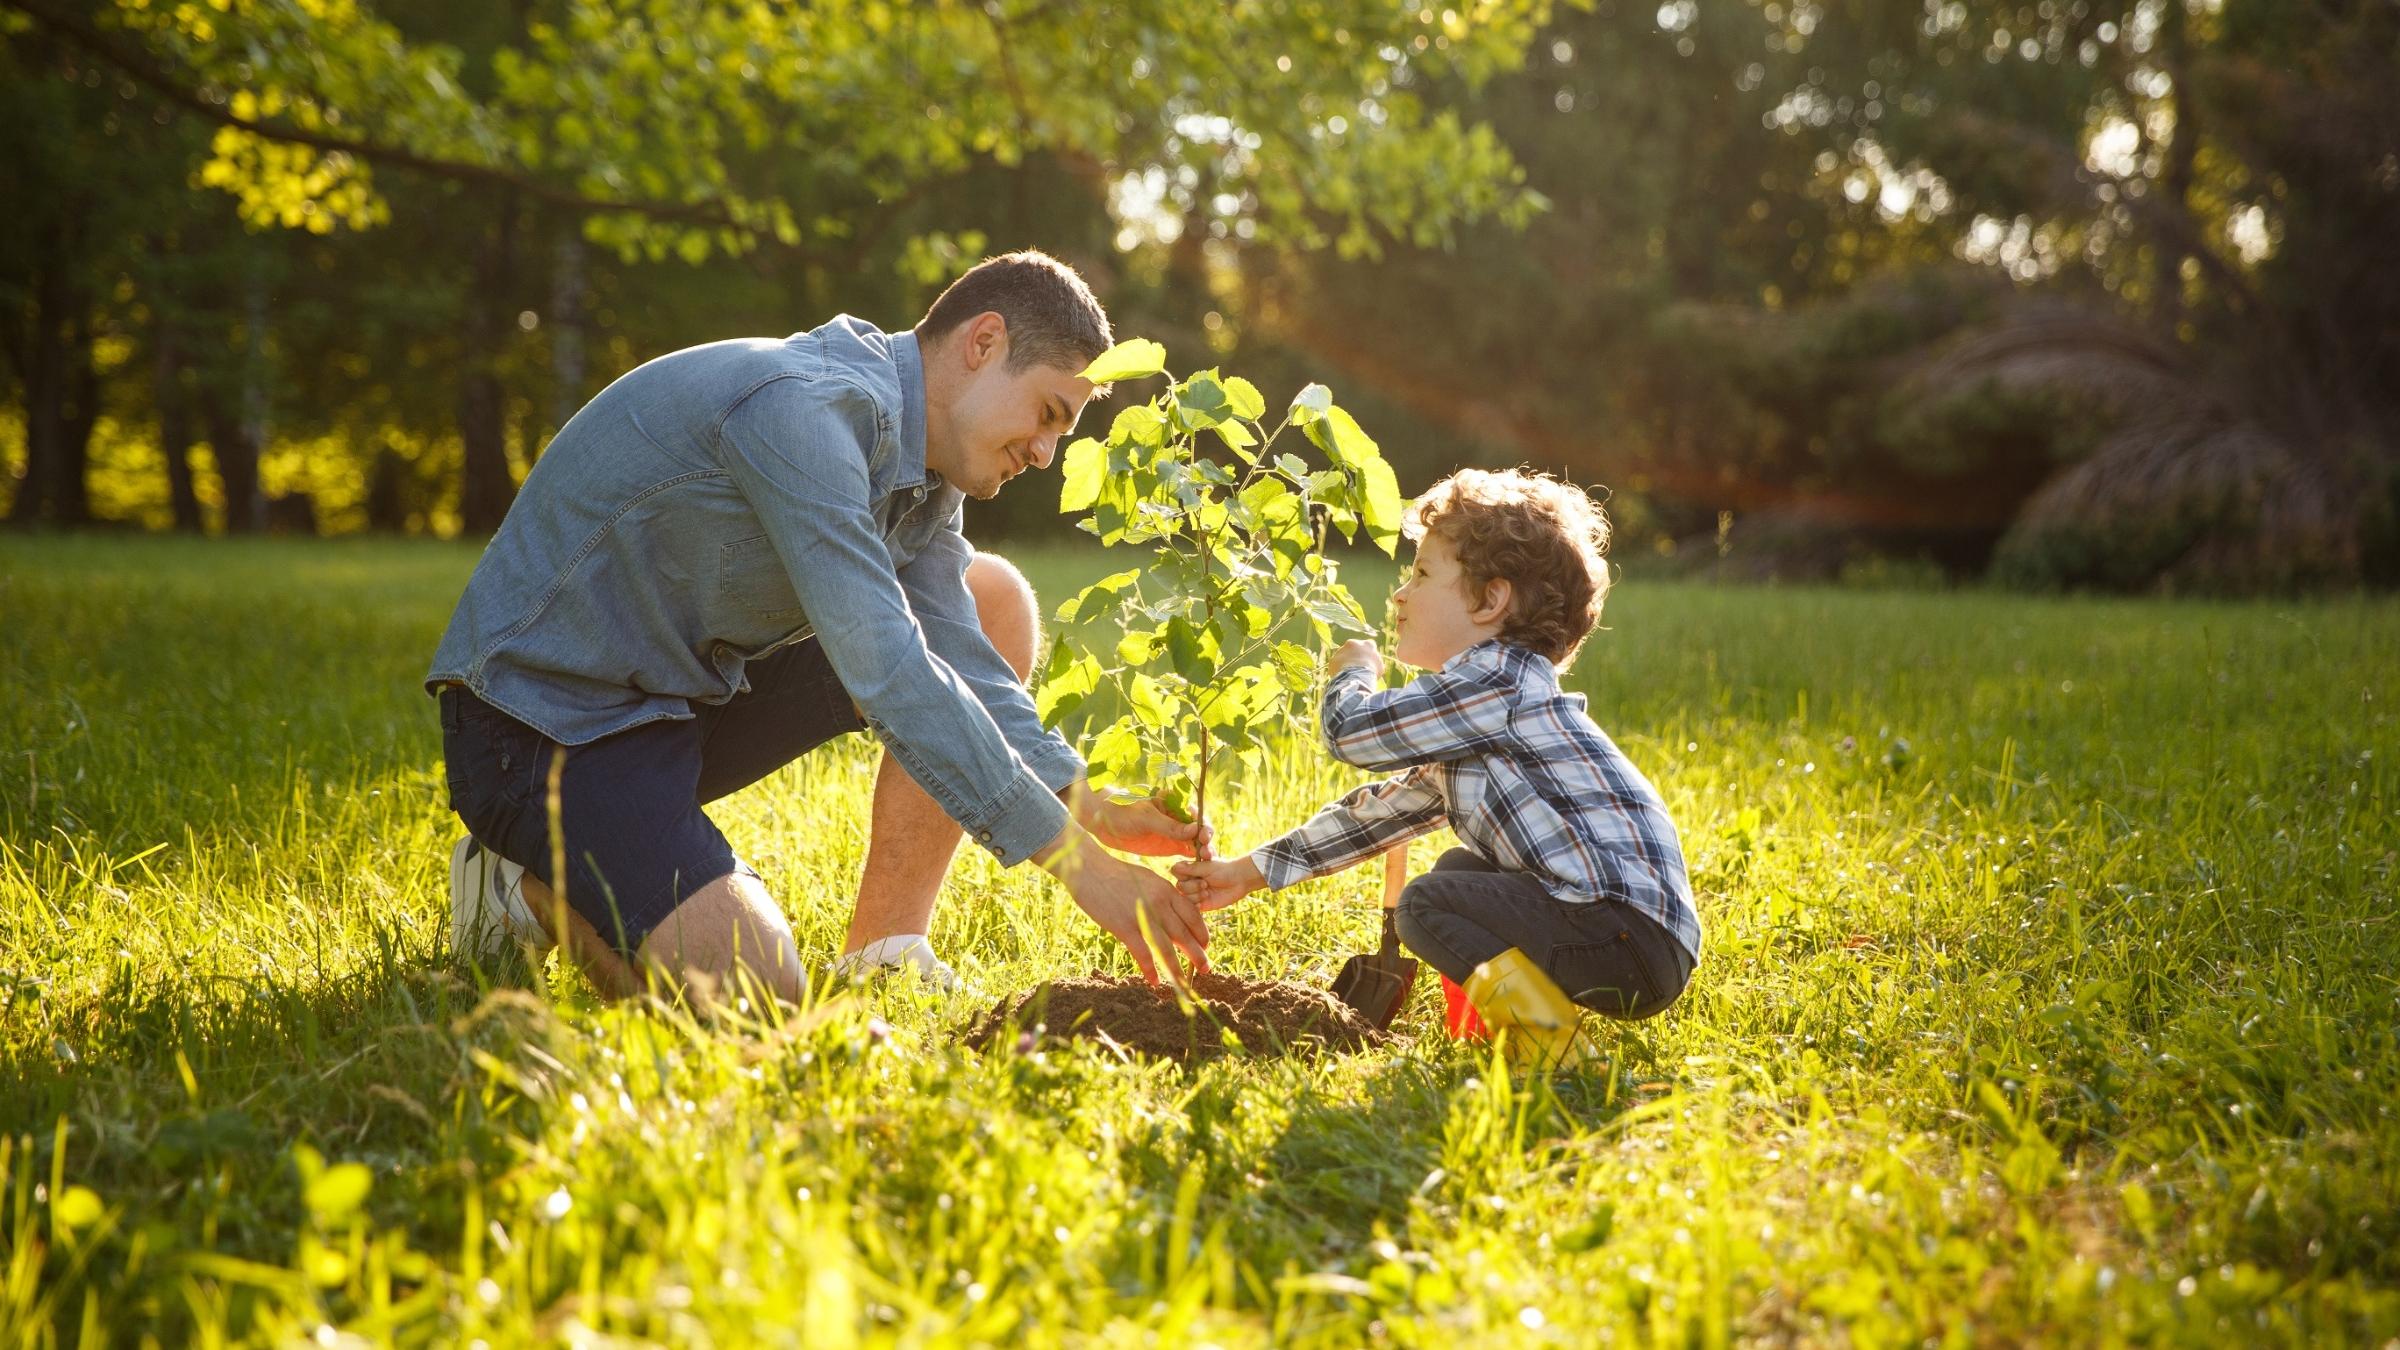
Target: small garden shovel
1376,984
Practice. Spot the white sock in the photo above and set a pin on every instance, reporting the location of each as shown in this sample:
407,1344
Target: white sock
900,949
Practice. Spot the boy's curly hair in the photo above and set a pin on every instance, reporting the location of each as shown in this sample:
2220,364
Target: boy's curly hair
1544,537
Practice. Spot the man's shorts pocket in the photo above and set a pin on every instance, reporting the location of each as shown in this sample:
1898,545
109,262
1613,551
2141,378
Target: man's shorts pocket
491,762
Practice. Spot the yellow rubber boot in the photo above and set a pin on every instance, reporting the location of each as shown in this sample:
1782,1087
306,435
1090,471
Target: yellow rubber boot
1543,1024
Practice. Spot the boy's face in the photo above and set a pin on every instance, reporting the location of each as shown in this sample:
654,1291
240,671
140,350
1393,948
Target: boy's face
1435,617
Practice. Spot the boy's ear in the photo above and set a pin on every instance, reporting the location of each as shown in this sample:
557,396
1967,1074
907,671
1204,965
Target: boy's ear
1496,595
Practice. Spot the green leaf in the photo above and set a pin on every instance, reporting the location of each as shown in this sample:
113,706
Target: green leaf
1190,655
1175,798
1202,401
1295,667
1382,507
1327,610
1136,648
1310,404
1060,694
1247,403
1081,474
1339,435
1096,599
1115,755
1128,360
1140,424
1150,703
336,1192
1238,437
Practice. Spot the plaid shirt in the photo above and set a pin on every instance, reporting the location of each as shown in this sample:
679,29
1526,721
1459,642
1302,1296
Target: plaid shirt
1490,745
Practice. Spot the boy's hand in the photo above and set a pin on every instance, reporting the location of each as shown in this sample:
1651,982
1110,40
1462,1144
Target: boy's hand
1357,653
1214,885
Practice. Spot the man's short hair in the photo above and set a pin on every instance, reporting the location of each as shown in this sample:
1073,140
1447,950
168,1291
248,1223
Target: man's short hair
1053,319
1544,537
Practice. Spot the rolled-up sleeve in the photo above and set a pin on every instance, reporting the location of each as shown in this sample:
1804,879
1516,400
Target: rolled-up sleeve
798,450
935,582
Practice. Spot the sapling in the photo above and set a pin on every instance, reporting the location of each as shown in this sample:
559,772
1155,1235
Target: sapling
1210,649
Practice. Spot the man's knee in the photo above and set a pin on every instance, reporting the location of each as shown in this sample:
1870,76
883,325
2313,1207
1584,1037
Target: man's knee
725,932
1006,607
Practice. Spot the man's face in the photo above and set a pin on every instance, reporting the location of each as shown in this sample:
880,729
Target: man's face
999,422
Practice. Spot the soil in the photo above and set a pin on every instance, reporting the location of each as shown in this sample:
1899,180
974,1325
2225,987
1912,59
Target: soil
1270,1017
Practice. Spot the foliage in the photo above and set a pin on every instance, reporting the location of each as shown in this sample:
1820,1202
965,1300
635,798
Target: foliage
1193,647
2217,174
689,127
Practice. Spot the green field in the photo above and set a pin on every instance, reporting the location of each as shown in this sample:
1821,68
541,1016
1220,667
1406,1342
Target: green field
2050,995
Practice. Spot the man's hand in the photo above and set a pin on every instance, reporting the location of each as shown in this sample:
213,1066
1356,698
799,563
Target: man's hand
1214,885
1136,906
1141,826
1356,653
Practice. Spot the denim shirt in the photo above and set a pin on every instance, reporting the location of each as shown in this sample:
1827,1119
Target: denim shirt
726,500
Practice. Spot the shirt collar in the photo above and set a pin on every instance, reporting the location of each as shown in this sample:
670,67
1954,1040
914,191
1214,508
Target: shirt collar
1495,654
909,362
1489,652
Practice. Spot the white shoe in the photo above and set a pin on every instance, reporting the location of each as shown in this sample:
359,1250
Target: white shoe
487,903
904,951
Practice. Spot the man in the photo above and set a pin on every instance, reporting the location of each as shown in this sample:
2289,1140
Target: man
734,554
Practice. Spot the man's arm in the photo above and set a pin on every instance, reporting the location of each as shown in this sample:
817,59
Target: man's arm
935,583
799,453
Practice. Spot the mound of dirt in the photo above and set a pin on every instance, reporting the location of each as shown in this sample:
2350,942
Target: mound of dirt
1269,1017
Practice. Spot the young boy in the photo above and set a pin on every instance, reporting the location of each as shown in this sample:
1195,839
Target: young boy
1571,890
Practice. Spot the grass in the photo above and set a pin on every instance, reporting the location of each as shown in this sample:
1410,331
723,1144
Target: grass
2049,995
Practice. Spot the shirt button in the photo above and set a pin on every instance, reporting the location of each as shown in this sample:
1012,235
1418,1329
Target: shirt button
984,835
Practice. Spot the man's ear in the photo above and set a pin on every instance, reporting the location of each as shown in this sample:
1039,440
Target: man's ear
1496,595
986,337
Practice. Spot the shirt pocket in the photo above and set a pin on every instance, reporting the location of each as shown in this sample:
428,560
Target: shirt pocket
751,581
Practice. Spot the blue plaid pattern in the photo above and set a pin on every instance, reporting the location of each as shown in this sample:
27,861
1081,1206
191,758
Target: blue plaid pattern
1490,745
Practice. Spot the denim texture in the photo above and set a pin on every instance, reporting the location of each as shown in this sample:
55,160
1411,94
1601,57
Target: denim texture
719,503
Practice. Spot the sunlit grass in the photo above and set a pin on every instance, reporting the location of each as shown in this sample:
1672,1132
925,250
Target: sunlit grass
2048,995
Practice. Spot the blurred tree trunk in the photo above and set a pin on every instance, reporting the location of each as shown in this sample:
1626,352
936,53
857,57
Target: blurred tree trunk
387,491
237,465
568,292
175,427
62,394
485,492
2182,151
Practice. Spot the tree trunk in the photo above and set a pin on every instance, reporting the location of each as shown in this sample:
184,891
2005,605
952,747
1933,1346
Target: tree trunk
61,399
175,429
486,490
43,378
567,300
237,466
2182,151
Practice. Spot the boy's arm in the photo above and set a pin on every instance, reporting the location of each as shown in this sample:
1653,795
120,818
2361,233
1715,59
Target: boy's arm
1356,828
1440,715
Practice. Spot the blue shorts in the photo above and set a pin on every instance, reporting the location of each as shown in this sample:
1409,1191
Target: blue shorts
637,842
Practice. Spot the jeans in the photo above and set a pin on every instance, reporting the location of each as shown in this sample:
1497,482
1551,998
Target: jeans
1606,956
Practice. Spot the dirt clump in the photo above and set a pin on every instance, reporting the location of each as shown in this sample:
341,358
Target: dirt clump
1269,1017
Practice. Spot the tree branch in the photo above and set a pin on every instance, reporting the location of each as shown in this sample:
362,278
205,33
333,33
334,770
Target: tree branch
149,75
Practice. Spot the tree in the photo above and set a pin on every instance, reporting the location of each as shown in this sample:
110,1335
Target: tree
1759,288
690,130
1189,652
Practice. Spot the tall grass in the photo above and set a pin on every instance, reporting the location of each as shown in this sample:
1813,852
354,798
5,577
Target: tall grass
2049,995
